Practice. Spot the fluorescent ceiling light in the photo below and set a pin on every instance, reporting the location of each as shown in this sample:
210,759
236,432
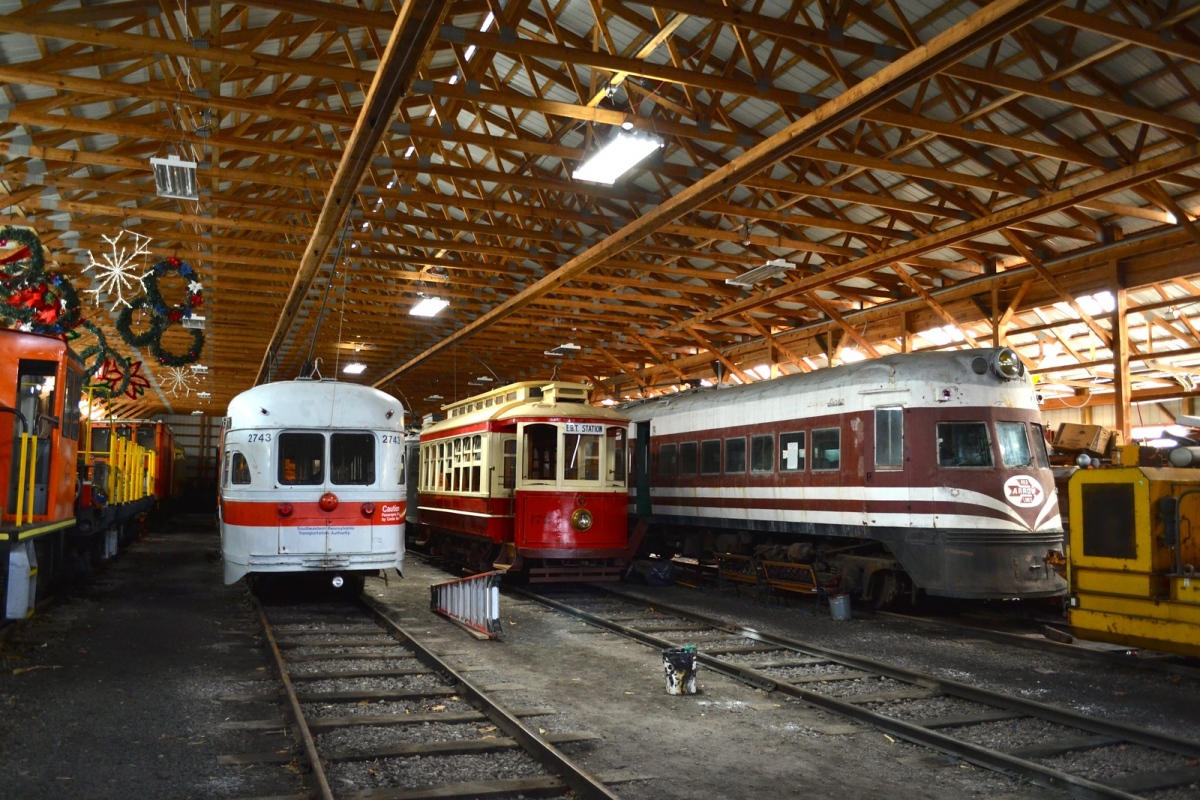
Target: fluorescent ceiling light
197,413
776,266
562,349
428,307
487,22
354,368
617,157
435,397
174,177
1097,304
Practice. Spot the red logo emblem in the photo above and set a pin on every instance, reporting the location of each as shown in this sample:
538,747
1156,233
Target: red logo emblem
1024,491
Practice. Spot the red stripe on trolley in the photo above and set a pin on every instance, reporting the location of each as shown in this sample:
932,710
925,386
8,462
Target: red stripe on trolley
260,515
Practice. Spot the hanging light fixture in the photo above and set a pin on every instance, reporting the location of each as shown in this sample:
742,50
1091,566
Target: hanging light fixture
354,368
621,154
428,306
174,177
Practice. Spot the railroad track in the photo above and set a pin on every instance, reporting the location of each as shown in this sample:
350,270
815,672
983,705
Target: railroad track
365,697
1051,747
1033,638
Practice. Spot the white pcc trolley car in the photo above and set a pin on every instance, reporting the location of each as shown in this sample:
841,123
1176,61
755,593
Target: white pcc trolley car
312,481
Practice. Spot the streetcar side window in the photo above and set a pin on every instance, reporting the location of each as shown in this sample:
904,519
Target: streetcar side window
476,460
1040,456
582,461
71,412
225,470
541,452
963,444
616,453
889,438
352,459
101,440
792,452
1014,444
666,461
710,457
241,470
145,437
509,475
687,458
457,485
735,455
827,449
301,459
762,453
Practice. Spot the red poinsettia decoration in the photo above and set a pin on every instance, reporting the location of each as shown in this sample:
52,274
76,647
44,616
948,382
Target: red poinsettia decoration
138,383
110,372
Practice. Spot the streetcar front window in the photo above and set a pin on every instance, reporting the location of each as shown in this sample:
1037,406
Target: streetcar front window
582,457
541,452
1014,444
963,444
352,459
1040,456
301,459
241,470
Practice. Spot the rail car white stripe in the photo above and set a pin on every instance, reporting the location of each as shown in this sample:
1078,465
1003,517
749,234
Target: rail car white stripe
464,513
932,521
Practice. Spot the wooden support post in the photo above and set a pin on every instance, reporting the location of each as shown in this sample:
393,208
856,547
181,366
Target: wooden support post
1122,386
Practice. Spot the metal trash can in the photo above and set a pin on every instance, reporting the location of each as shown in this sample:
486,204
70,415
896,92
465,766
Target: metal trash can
679,664
839,607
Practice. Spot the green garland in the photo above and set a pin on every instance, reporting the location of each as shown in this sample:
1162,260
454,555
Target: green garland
150,336
28,238
99,351
169,359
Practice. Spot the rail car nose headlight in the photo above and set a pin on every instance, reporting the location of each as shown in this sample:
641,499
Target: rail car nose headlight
368,510
328,501
284,509
581,519
1008,365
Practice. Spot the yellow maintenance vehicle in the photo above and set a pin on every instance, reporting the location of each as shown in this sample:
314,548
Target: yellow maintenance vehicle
1134,550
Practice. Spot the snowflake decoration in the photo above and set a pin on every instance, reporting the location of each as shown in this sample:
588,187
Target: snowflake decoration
179,379
118,273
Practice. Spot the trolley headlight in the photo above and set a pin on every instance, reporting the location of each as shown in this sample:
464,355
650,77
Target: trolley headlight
328,501
1007,364
581,519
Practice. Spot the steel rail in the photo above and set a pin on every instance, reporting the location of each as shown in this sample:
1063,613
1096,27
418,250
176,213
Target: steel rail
584,784
1116,657
310,745
973,753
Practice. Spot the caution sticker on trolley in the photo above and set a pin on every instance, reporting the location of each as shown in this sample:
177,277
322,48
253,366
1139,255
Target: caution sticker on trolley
321,530
1024,491
389,513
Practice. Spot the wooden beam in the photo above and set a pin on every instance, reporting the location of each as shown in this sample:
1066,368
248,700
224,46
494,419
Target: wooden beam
414,28
985,26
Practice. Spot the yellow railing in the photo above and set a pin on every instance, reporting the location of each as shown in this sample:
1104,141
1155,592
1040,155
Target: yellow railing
26,475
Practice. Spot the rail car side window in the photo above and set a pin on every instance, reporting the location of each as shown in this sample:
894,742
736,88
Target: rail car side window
827,449
541,452
1109,525
352,459
616,453
582,456
666,461
101,440
301,459
225,470
735,455
1014,444
963,444
145,437
71,413
241,470
889,438
710,457
509,475
762,453
1040,456
792,452
687,458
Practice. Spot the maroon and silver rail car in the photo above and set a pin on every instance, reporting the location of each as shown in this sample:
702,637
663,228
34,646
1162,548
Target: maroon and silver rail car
529,477
920,470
